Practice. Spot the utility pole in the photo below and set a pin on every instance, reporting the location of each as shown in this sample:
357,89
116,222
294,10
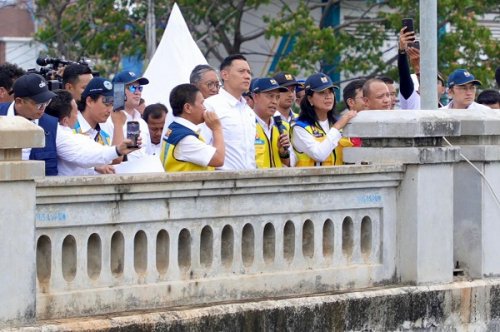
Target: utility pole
150,32
428,54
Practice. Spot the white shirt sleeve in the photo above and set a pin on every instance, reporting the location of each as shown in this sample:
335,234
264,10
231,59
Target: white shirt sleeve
319,151
192,150
83,151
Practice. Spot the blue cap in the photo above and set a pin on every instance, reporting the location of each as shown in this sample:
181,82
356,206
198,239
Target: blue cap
265,84
33,86
319,82
285,79
98,86
461,77
127,77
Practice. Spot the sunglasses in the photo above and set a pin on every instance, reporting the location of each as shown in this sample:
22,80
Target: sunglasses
134,88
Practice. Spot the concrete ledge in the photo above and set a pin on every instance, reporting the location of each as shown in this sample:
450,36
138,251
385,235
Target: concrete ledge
481,152
404,123
429,155
16,133
21,170
463,305
477,122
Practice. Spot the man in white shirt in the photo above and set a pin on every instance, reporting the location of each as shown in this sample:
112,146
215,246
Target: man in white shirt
155,115
272,143
77,153
237,119
184,149
376,95
462,91
205,78
133,93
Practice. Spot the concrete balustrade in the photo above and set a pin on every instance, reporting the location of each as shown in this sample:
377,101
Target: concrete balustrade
111,244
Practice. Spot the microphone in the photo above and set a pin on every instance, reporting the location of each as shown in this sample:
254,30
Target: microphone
281,128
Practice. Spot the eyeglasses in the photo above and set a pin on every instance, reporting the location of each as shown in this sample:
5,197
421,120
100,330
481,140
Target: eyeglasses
107,100
134,88
212,84
41,106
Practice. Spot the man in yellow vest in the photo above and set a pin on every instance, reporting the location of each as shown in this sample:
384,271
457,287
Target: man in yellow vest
183,149
272,142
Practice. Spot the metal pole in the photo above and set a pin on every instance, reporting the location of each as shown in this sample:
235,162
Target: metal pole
150,31
428,54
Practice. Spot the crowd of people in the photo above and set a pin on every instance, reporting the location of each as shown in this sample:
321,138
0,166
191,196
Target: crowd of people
222,120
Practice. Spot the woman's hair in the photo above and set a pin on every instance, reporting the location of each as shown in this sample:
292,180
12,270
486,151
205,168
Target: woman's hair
308,114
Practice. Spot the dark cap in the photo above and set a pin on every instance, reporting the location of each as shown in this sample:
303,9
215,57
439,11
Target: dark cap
127,77
285,79
319,82
98,86
34,87
461,77
265,84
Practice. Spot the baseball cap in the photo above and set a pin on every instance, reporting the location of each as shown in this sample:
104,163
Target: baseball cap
98,86
285,79
265,84
34,87
319,82
127,77
461,77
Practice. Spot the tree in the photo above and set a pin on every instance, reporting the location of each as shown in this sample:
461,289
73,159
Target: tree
355,46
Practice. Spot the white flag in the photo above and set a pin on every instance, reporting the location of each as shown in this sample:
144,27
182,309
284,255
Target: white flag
173,61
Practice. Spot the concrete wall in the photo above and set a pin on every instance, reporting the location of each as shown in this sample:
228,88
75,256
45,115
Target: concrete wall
111,244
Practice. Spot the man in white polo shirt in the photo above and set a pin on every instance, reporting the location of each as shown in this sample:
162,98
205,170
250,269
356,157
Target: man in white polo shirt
236,117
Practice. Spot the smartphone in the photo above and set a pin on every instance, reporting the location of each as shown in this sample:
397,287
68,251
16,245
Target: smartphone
118,97
408,23
133,133
415,44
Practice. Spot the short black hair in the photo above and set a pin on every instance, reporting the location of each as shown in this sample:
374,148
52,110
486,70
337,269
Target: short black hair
60,105
385,79
181,95
9,72
228,61
72,73
82,103
349,91
154,111
489,97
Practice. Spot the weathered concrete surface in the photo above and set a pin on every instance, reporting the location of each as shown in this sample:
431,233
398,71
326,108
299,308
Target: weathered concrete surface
404,123
458,306
16,132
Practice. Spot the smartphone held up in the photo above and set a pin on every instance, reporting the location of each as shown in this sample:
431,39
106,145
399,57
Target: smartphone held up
408,23
133,131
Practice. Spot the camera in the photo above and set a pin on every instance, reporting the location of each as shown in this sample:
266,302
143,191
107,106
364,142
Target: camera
49,70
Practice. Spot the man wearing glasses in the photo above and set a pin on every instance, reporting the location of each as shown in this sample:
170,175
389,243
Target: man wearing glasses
462,90
205,78
133,93
31,96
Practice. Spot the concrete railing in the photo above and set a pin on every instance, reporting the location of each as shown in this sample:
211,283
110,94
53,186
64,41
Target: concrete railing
96,245
111,244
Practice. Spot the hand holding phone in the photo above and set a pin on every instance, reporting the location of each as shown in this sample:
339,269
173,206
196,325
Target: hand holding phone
133,131
408,23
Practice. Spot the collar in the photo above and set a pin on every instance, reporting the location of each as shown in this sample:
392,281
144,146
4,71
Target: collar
84,125
187,123
263,124
12,112
230,98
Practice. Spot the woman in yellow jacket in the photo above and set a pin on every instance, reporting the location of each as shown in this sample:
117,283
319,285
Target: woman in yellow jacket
316,136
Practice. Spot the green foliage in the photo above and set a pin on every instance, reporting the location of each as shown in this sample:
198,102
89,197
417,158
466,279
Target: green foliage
359,42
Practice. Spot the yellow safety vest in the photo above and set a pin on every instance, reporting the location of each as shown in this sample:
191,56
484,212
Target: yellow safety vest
267,152
175,133
335,158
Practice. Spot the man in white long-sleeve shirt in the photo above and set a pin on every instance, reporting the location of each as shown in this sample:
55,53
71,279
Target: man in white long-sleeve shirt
77,154
237,119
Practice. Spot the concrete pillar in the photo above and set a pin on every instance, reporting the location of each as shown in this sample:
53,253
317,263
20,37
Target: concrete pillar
476,212
425,198
17,220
